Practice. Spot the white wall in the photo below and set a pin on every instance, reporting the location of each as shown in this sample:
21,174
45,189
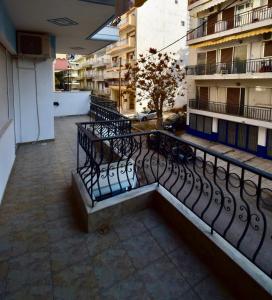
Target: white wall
71,103
33,100
7,154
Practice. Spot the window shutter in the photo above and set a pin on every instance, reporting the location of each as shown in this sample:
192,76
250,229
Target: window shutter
228,15
268,48
212,19
226,55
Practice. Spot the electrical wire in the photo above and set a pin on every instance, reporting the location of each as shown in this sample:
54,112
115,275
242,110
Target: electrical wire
189,32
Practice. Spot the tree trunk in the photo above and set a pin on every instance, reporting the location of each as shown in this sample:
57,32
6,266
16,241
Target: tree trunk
159,120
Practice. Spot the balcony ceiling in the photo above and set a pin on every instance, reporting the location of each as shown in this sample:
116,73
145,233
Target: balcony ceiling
89,16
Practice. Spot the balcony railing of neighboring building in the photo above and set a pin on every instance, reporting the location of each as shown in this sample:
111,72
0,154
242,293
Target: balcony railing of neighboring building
255,15
230,197
261,65
129,20
116,82
90,74
101,62
247,111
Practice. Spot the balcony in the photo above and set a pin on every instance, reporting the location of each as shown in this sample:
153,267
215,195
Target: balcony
128,23
221,192
115,83
261,68
241,21
123,45
101,62
246,111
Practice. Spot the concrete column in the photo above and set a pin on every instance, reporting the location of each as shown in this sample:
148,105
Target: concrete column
262,136
215,125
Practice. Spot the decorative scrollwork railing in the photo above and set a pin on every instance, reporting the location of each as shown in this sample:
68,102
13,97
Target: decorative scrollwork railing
232,198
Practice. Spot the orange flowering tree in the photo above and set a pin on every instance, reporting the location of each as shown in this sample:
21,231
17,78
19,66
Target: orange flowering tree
156,79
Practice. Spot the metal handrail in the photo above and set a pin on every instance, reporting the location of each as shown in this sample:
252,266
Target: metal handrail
260,65
247,111
255,15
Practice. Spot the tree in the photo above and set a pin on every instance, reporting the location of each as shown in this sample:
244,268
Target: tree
156,80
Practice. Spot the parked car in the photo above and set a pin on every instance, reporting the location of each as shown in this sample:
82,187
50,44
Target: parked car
146,115
180,151
175,122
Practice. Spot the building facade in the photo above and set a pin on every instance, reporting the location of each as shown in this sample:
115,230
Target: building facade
154,25
230,73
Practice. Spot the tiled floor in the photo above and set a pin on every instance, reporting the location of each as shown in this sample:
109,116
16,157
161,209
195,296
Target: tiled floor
45,255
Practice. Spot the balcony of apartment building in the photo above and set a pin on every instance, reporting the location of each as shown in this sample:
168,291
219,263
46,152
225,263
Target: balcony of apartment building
236,61
128,22
99,76
255,112
89,74
101,62
242,20
122,45
237,69
248,103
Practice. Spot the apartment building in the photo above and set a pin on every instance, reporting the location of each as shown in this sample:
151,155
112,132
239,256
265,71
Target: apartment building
155,24
230,73
90,72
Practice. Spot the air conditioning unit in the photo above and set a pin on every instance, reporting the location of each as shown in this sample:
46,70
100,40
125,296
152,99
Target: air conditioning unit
33,45
267,36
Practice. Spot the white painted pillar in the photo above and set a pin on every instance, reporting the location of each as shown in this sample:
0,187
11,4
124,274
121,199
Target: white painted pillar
215,125
262,136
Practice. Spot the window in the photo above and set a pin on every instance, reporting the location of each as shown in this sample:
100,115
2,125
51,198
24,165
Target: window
268,48
182,23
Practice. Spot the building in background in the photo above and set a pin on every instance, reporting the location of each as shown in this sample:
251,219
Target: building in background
155,24
230,73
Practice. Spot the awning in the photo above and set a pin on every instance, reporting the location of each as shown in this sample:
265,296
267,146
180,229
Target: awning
233,37
207,5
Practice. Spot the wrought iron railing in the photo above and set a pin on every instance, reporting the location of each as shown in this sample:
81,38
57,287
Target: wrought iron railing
233,199
104,102
103,113
261,65
255,15
247,111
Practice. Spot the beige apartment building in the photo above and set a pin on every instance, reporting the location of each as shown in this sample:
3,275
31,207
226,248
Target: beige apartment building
230,73
121,53
91,71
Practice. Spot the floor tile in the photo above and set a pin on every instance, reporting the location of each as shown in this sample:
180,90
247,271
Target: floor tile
111,266
67,252
75,282
42,290
150,218
128,226
142,250
97,242
166,237
190,266
211,288
28,268
163,281
131,288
